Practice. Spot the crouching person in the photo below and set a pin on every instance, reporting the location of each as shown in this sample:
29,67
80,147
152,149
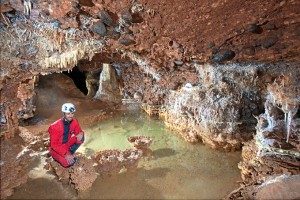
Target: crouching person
66,136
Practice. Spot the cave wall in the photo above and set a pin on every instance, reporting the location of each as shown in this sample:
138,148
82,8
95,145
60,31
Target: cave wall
218,104
221,110
42,37
271,161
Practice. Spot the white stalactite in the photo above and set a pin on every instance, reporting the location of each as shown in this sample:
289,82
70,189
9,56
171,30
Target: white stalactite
290,116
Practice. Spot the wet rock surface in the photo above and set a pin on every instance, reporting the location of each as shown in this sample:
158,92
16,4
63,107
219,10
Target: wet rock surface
17,156
282,187
113,161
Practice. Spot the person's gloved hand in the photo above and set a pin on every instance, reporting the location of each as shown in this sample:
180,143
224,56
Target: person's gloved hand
70,159
79,136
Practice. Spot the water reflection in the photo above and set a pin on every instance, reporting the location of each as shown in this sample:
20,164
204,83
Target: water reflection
163,152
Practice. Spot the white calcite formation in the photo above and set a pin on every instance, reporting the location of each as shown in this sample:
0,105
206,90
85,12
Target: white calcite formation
272,159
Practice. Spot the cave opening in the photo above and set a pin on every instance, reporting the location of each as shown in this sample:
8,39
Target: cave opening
78,78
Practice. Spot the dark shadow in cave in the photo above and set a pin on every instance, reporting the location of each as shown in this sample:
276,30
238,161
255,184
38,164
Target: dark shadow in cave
78,78
297,115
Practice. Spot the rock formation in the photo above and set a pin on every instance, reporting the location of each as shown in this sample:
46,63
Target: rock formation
82,175
112,161
108,85
220,110
92,84
275,148
140,142
275,187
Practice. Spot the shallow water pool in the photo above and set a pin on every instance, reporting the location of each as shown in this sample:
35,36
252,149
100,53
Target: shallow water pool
175,170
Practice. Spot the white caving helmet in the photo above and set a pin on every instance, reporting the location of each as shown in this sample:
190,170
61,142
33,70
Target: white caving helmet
68,107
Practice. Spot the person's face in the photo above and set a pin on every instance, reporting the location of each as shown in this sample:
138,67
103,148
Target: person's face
69,116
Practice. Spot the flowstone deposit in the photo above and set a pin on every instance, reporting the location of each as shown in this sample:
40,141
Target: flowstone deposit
220,110
108,161
275,148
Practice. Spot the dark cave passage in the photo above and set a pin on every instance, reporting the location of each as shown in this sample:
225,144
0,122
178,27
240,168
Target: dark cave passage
78,78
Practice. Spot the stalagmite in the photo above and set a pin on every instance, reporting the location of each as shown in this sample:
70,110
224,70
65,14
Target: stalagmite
108,85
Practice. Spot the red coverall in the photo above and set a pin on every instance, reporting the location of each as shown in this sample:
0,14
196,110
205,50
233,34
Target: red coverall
58,150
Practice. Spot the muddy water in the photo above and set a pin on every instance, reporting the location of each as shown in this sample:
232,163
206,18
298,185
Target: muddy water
175,170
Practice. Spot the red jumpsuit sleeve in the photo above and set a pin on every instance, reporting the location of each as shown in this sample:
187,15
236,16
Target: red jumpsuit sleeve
56,141
71,141
78,130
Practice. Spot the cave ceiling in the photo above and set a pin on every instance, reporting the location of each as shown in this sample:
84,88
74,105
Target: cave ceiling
46,36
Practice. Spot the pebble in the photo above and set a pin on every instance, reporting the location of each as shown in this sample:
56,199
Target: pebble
269,41
178,62
254,28
126,42
126,16
223,55
106,18
99,28
270,26
249,50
